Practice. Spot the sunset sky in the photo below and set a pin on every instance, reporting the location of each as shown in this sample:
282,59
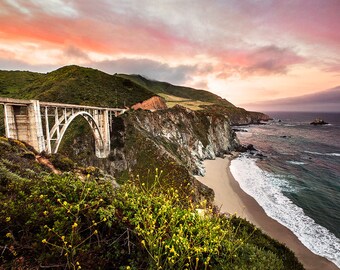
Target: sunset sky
242,50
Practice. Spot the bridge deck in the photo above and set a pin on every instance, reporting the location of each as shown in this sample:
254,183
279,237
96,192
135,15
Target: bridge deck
14,101
23,102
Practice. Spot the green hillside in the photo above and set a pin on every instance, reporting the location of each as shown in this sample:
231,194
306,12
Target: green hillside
13,82
173,94
73,84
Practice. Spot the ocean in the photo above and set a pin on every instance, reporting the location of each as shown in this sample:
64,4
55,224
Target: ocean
297,183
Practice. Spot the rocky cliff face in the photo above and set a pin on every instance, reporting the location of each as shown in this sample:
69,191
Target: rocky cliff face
184,136
151,104
238,116
192,135
248,118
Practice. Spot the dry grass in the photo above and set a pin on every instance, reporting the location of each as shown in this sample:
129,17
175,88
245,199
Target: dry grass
188,103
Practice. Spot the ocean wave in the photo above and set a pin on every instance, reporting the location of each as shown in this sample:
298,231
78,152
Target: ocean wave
296,162
323,154
266,189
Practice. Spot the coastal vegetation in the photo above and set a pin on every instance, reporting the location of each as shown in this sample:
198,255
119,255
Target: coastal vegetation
81,220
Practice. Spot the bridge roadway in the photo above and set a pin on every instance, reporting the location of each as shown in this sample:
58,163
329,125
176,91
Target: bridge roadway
43,124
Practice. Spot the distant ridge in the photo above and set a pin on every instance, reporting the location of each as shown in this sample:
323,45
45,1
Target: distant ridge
324,101
174,94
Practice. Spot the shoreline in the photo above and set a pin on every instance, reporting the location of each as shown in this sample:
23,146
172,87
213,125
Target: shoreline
230,198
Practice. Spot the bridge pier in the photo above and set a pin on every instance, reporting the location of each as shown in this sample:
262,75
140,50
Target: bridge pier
103,146
10,122
23,122
36,134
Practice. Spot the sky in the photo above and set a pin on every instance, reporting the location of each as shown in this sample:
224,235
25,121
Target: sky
323,101
243,50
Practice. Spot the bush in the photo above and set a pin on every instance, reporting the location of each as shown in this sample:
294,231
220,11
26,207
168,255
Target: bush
72,223
58,220
61,162
180,234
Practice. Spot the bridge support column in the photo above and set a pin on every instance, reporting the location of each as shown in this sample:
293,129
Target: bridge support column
36,135
103,147
10,125
23,122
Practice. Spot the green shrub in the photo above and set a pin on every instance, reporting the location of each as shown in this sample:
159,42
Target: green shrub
73,223
180,234
62,162
57,220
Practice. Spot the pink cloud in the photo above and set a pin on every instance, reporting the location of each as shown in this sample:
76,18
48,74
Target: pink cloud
312,21
262,61
271,59
113,36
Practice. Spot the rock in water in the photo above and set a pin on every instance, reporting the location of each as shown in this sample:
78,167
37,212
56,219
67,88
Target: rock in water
318,121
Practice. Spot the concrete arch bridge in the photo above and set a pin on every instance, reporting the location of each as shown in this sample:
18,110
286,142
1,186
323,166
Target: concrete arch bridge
43,124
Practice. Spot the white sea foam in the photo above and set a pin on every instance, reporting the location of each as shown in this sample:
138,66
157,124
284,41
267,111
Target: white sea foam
323,154
266,189
296,162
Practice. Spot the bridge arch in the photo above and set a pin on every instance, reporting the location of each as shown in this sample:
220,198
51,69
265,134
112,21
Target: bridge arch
99,140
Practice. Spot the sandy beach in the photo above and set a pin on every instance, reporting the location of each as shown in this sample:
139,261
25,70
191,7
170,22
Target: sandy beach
232,199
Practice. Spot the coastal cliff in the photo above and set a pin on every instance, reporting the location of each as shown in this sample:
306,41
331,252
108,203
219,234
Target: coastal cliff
187,137
175,141
238,116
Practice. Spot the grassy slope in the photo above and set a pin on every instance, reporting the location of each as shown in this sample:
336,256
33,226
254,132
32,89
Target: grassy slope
73,84
13,82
